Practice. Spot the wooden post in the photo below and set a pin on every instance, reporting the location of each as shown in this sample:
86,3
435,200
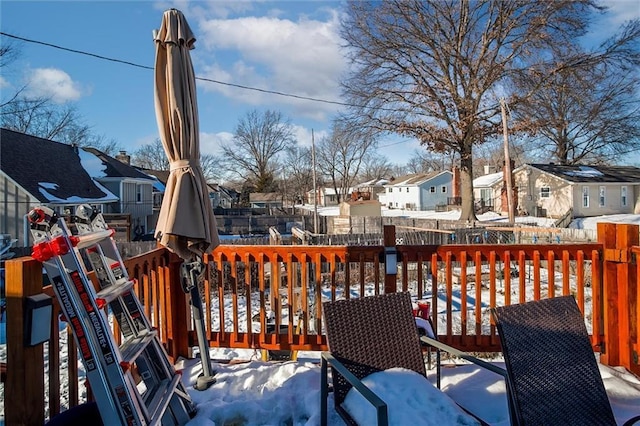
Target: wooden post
619,294
24,388
389,241
178,317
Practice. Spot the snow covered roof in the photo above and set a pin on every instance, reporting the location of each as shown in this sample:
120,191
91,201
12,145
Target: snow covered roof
52,172
414,179
487,181
592,174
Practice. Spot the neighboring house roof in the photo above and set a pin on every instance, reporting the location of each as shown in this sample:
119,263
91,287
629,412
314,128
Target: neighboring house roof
52,172
115,168
592,174
487,181
265,197
414,179
161,175
327,191
372,182
159,178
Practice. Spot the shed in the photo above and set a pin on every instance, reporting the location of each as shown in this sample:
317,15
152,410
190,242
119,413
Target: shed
361,208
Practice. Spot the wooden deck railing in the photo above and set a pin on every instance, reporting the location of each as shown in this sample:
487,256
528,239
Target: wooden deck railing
268,297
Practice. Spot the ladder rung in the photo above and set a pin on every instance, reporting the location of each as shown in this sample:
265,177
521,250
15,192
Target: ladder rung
110,293
87,240
163,394
134,347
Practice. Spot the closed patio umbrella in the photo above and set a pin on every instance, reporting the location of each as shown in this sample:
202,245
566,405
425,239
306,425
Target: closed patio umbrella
186,224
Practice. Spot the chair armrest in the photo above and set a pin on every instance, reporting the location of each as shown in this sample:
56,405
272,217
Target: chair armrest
465,356
372,398
632,421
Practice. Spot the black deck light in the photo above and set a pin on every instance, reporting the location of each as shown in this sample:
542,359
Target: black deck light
37,311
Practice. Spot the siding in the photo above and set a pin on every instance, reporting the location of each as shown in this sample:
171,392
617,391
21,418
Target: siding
141,212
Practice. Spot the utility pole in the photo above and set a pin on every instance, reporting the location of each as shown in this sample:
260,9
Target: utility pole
507,162
315,189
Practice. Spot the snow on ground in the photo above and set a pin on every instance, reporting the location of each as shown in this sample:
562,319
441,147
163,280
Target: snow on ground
275,393
578,223
592,222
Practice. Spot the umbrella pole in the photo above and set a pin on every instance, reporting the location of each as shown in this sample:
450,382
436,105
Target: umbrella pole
190,273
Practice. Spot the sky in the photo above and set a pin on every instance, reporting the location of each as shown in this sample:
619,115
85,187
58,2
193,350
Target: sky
291,47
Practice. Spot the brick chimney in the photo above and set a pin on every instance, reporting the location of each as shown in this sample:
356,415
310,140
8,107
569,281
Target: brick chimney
123,157
455,184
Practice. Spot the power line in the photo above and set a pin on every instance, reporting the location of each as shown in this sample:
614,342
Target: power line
133,64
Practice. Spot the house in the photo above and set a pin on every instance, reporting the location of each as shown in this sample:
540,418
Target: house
422,191
552,190
36,171
220,196
487,190
326,197
368,190
270,201
360,208
133,188
160,178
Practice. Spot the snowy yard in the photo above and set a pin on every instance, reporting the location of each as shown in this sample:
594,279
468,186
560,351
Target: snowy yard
259,393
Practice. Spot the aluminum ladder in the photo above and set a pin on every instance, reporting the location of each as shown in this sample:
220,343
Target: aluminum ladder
133,383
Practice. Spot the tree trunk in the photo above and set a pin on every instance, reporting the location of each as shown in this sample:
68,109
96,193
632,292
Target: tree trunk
466,187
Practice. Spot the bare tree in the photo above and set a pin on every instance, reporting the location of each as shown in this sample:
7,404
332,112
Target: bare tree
151,156
258,141
45,119
431,69
588,113
375,166
210,165
425,161
299,174
340,156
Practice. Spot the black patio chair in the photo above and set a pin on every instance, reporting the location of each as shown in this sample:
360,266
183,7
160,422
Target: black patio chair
552,373
367,335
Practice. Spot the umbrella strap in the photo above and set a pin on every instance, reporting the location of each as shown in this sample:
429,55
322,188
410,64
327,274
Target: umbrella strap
182,164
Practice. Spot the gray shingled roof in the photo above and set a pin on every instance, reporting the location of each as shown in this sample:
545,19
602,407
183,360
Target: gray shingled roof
116,168
49,171
592,174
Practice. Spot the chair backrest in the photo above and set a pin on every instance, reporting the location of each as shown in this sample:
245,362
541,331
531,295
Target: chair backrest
372,334
553,373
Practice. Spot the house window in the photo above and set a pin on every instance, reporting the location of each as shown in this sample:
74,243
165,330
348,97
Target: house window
432,189
390,189
601,199
396,204
623,196
444,189
585,196
407,189
139,193
545,192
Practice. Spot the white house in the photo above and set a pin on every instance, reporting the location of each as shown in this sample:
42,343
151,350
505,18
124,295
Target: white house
553,190
423,191
326,196
487,191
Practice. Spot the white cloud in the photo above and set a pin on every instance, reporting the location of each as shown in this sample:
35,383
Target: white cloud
295,57
52,83
304,137
210,142
4,83
622,10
